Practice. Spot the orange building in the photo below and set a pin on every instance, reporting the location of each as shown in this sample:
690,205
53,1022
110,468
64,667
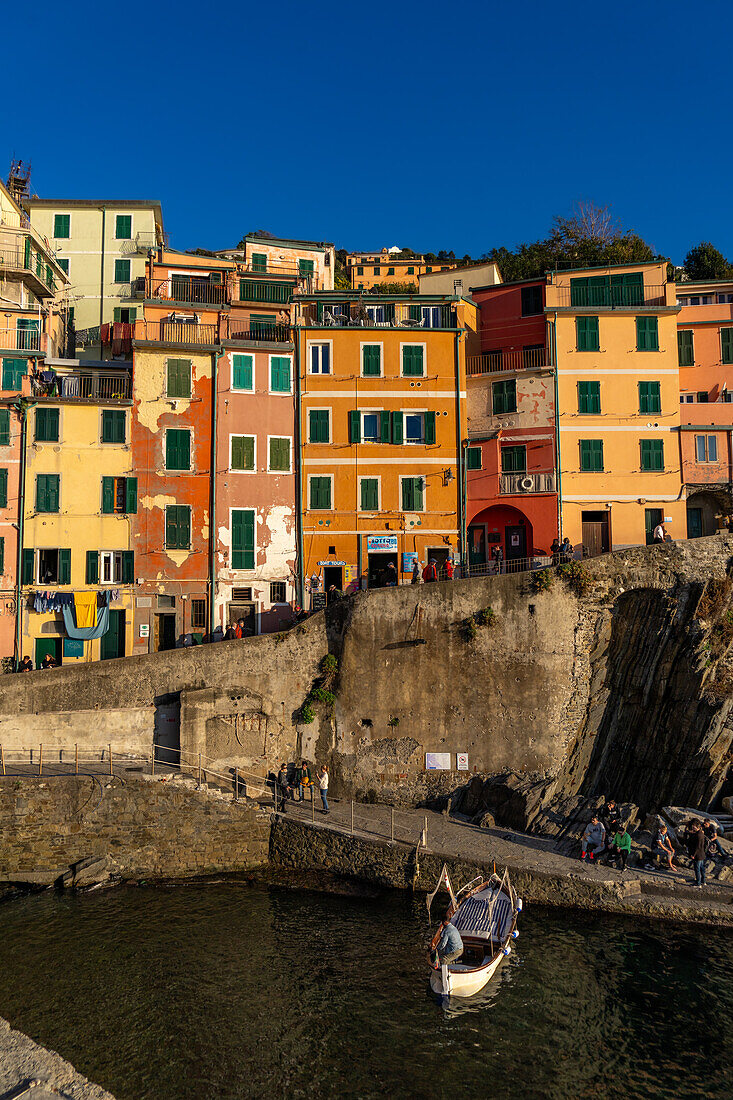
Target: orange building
368,269
382,418
705,349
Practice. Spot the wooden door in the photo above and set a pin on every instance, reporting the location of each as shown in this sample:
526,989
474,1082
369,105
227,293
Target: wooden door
593,537
113,642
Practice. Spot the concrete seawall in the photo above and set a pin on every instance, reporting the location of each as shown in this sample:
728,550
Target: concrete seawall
22,1062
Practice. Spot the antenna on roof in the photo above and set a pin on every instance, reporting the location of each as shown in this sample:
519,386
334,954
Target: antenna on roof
19,181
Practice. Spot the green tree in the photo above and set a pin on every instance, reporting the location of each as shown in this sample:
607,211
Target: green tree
704,261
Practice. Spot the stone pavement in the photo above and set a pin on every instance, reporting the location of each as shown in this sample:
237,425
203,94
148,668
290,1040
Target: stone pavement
30,1071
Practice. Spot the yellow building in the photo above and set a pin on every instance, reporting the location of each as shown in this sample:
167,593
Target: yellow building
79,500
614,335
382,416
368,269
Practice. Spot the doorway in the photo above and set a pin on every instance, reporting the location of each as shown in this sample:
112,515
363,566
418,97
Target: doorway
247,612
333,575
477,545
515,547
113,642
48,645
694,523
377,566
165,632
596,533
440,555
167,729
652,518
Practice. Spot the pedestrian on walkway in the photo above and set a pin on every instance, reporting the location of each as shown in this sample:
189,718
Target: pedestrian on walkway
390,575
498,555
282,788
415,571
323,786
659,533
448,569
303,780
696,847
430,573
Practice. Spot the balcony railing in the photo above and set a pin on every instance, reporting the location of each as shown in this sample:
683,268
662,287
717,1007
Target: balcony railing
489,362
19,339
196,290
175,332
29,262
260,333
254,290
268,267
607,296
85,385
359,314
526,483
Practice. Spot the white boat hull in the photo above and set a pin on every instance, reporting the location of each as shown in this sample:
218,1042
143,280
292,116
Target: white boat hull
455,980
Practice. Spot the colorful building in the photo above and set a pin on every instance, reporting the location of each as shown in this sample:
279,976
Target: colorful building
613,335
705,346
103,246
368,269
311,263
381,418
461,280
512,501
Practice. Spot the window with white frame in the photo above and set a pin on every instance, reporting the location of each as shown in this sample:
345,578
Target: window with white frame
370,427
320,358
414,427
706,448
110,567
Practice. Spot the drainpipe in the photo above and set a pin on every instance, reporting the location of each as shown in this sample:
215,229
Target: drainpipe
216,356
22,407
298,473
101,284
459,450
553,348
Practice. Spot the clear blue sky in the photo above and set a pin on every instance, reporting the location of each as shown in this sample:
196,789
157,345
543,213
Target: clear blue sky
426,125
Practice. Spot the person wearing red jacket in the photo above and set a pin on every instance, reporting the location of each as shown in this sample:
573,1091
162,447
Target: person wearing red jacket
430,573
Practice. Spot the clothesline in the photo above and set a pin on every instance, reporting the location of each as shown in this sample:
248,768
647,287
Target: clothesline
57,601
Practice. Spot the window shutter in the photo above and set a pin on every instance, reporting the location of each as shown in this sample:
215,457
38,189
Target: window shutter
184,527
128,567
726,344
398,432
369,494
242,372
3,488
685,348
108,495
117,313
178,449
280,454
2,554
29,559
238,458
14,370
179,378
384,426
4,427
354,426
430,427
473,458
372,366
64,566
171,526
131,496
243,539
408,494
92,574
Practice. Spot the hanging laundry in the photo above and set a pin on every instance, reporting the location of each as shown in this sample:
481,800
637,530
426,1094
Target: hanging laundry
85,605
88,632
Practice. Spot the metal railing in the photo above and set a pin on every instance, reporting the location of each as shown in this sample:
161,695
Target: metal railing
84,385
493,568
20,339
269,267
23,259
260,333
606,297
385,315
519,484
175,332
254,290
491,362
197,291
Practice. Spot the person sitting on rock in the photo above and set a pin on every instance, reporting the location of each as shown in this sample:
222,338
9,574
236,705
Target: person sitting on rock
621,847
593,840
663,846
710,828
611,818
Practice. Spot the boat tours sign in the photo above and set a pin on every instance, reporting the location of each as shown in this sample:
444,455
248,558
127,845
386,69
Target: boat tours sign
408,561
386,543
437,761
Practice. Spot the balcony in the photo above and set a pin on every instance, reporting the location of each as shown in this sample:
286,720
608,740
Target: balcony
259,333
607,296
196,290
81,385
174,332
22,339
268,267
360,314
492,362
524,484
24,263
255,290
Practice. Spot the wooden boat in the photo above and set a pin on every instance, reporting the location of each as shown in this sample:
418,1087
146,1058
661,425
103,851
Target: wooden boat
485,913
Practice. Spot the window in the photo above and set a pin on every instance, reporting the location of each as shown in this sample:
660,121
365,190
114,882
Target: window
178,527
411,271
589,397
514,460
419,427
243,538
371,427
47,425
14,371
320,358
198,614
726,345
591,455
242,452
278,592
390,271
702,396
412,494
650,399
369,494
123,227
178,449
110,567
320,492
473,458
242,372
647,338
586,331
531,300
47,492
652,454
2,554
62,225
706,448
113,426
125,314
428,269
371,360
54,566
377,271
63,264
608,290
280,454
122,271
279,374
504,396
319,426
359,270
685,348
412,360
179,378
259,261
4,427
119,496
3,488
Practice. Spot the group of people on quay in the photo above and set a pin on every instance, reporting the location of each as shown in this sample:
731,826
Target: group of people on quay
606,839
296,785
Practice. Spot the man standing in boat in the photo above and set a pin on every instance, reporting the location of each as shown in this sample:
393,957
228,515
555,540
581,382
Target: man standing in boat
450,944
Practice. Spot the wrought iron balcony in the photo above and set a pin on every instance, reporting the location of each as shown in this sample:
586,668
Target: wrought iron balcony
491,362
198,290
174,332
521,484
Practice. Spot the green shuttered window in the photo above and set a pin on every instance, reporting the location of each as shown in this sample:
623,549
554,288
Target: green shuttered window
47,492
586,329
650,398
92,569
279,374
178,527
62,226
3,488
412,494
119,495
398,427
305,267
320,492
122,271
179,378
318,426
514,460
14,371
178,449
2,554
4,427
113,426
28,568
647,336
412,361
123,227
243,452
726,345
369,494
589,397
280,454
685,347
504,396
47,425
473,458
242,373
65,566
371,360
591,455
354,426
652,454
429,428
243,538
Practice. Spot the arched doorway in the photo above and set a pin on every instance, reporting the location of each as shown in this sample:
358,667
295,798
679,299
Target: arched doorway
504,526
703,509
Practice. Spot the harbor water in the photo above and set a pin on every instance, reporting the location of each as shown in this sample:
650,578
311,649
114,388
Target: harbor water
231,991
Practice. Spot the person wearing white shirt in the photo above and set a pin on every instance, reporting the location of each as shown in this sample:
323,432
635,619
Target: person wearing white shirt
323,785
659,533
